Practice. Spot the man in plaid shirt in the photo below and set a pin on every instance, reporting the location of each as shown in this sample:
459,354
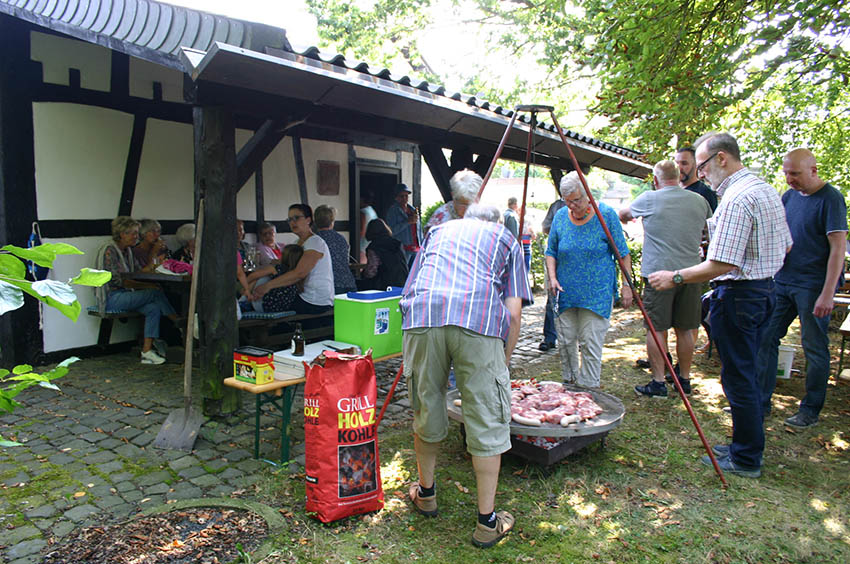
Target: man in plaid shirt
749,240
461,305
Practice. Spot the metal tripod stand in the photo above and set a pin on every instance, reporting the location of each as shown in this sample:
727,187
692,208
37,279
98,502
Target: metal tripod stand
534,109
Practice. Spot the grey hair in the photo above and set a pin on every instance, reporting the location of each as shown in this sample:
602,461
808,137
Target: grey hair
665,170
720,142
569,184
147,225
483,212
121,225
465,185
185,233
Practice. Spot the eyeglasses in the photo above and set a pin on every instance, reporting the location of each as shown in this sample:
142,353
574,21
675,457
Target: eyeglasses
705,162
295,218
574,201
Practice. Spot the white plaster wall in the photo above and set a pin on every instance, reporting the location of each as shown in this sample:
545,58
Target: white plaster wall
80,152
58,54
280,183
374,154
61,333
314,151
165,186
246,198
144,73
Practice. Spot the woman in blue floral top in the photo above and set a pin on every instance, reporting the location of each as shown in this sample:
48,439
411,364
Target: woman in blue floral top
583,273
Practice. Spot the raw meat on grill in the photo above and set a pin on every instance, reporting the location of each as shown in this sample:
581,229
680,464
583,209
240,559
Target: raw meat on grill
535,403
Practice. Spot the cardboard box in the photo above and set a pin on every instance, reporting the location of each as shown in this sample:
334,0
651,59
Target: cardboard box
253,365
289,367
369,319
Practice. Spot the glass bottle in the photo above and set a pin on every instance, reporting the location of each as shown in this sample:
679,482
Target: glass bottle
298,341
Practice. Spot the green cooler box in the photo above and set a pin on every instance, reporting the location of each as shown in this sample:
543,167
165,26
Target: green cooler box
369,319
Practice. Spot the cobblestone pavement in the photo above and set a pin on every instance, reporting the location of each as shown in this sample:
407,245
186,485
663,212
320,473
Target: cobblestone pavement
88,455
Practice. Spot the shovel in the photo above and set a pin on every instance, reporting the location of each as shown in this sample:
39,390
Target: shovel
181,427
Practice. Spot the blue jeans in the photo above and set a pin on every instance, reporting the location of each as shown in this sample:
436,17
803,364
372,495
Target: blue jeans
149,302
739,315
791,302
550,335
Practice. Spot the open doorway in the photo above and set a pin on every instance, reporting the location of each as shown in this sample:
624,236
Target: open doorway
378,188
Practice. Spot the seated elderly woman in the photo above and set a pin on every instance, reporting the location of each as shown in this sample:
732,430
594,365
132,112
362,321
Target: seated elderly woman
464,185
583,276
186,238
314,270
268,250
151,250
339,248
121,293
386,263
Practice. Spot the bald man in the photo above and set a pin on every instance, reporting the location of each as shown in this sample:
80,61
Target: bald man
817,217
673,220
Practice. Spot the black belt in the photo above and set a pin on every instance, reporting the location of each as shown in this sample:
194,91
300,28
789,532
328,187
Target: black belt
743,283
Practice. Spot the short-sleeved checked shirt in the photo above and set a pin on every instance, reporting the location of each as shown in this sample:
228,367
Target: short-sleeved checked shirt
749,228
462,275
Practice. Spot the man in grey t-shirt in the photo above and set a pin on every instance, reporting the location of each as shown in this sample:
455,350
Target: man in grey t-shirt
673,221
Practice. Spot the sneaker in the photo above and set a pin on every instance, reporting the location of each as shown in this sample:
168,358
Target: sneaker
653,389
720,450
686,385
729,467
544,346
150,357
485,537
427,506
669,377
728,409
801,420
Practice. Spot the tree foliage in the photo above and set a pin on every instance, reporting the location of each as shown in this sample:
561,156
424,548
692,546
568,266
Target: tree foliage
775,73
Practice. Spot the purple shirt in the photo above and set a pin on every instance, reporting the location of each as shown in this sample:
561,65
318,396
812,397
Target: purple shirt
462,275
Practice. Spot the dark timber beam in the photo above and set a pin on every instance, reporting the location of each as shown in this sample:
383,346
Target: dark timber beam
20,337
440,170
258,147
215,181
298,154
131,168
482,164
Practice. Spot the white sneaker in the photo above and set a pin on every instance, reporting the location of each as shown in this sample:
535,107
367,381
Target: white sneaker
150,357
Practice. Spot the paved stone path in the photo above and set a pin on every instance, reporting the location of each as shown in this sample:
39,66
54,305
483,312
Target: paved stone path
88,455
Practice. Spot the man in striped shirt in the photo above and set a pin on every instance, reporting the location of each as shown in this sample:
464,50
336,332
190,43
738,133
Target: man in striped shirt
749,240
461,305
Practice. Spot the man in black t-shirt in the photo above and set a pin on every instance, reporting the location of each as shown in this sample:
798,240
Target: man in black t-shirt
688,177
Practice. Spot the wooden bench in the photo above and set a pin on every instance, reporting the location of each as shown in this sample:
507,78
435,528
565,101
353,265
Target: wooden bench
255,330
107,319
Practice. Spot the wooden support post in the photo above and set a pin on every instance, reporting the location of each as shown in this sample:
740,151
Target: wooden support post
215,181
298,154
20,336
436,161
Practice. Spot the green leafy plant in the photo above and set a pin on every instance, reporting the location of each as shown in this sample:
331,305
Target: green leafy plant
56,294
22,377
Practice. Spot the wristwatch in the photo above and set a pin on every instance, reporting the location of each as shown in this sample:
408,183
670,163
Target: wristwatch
677,279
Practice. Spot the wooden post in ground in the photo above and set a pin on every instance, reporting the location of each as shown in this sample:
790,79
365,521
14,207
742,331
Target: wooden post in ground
20,336
215,181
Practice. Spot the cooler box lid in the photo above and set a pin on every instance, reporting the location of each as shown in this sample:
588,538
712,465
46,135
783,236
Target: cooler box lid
371,295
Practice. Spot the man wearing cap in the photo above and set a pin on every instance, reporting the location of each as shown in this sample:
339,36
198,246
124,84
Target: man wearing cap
403,220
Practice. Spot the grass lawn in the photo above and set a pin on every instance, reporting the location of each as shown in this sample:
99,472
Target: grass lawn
643,497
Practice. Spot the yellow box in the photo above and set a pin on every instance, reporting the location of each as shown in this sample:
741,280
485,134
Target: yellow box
253,365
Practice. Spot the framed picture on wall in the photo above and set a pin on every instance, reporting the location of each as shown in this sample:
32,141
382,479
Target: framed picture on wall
327,177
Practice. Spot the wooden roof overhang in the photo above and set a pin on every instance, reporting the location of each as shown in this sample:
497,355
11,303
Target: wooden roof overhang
358,100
